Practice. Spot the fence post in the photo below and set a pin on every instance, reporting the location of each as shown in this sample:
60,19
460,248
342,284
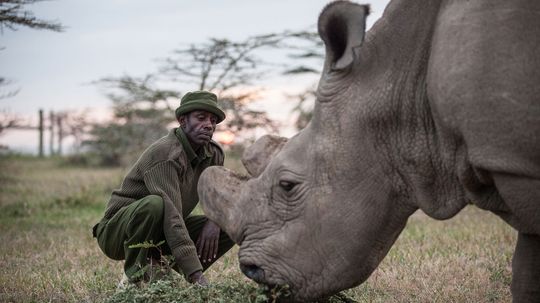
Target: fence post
60,134
51,133
40,133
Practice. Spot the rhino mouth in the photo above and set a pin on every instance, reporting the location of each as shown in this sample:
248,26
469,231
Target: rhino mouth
253,272
275,292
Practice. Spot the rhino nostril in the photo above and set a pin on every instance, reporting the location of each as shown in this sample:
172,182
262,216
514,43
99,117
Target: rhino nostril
253,272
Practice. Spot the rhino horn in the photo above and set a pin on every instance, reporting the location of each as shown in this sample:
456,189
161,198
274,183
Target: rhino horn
256,157
342,27
219,196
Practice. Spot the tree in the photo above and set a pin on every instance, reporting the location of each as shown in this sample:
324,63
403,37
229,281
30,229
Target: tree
6,82
8,120
310,55
304,107
14,14
231,69
141,114
228,68
73,124
234,68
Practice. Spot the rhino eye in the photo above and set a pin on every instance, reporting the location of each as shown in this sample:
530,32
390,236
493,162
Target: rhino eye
287,185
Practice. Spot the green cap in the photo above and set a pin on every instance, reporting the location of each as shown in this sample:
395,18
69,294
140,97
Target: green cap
200,100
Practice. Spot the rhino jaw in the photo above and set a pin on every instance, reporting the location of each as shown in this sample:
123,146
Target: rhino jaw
219,191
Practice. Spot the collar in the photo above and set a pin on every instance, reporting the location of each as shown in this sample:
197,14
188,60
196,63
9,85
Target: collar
193,157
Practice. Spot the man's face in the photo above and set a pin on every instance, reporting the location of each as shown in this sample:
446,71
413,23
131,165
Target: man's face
199,126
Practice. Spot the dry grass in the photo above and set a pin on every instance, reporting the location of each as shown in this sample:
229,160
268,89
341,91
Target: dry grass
48,254
46,213
465,259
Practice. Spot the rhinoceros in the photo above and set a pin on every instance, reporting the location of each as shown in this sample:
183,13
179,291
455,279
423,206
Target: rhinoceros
437,106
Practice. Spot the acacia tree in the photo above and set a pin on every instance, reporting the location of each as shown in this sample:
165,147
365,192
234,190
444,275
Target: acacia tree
235,69
141,114
309,56
15,14
7,119
70,123
6,82
304,107
229,68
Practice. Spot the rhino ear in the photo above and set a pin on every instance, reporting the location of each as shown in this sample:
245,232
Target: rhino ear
342,27
256,157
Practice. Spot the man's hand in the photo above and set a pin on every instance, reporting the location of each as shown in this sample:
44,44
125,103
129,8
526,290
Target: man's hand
198,278
207,243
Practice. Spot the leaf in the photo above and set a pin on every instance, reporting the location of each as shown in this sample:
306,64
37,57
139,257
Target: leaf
147,244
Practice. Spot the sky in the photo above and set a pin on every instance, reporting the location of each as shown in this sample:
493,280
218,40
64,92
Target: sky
111,38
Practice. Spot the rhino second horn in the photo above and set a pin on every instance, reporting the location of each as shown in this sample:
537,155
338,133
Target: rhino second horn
257,156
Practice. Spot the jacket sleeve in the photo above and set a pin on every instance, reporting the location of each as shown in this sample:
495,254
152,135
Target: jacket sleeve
163,180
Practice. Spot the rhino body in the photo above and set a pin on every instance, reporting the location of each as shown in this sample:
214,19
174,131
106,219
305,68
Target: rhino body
437,106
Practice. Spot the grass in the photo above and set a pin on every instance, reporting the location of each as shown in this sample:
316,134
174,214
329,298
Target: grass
48,254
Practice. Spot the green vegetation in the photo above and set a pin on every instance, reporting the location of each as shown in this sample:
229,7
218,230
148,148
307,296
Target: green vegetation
47,210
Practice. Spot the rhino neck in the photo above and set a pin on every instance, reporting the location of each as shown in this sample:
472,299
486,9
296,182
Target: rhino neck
397,53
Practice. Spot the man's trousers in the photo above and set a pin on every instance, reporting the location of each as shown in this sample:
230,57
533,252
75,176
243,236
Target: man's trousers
140,222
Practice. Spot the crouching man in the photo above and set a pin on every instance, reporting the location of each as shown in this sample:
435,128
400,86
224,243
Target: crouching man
160,191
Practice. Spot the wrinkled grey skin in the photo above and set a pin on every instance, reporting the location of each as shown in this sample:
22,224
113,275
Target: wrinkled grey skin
438,107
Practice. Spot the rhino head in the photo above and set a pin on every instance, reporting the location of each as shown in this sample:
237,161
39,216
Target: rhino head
319,212
316,219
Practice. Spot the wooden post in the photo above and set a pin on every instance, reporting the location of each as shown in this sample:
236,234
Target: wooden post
41,133
60,134
51,133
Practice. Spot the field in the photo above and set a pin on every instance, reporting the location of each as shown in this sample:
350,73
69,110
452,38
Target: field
48,254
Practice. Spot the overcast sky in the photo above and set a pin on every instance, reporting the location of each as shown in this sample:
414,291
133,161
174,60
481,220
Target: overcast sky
115,37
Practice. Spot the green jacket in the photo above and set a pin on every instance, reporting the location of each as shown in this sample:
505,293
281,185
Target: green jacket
171,169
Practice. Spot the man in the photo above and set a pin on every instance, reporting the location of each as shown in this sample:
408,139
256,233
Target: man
158,194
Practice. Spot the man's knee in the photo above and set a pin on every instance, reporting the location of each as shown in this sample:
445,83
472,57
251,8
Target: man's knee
151,206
